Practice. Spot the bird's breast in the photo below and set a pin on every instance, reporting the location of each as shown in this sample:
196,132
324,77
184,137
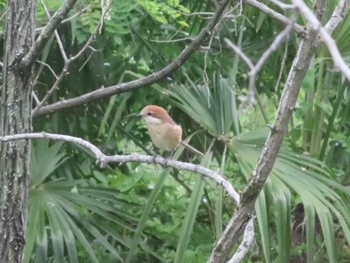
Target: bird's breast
165,136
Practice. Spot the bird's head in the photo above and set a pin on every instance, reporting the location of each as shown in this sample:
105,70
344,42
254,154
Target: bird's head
154,115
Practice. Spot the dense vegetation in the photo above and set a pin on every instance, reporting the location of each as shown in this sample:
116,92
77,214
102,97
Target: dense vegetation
146,213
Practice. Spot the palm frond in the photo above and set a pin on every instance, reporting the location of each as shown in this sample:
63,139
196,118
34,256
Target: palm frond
309,179
213,108
67,215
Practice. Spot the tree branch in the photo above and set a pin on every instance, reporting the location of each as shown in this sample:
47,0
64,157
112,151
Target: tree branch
341,8
51,26
338,15
150,79
272,145
255,69
67,61
103,159
279,17
248,238
72,17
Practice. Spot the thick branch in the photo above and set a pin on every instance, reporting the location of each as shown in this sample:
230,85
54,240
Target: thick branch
51,26
272,145
150,79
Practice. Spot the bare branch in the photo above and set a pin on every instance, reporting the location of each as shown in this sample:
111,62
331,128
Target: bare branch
72,17
135,84
103,159
249,99
54,87
240,53
49,67
60,46
67,62
51,26
35,97
58,39
338,15
272,48
279,17
325,36
282,5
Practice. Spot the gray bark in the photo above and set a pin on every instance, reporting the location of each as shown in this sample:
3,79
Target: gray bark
15,117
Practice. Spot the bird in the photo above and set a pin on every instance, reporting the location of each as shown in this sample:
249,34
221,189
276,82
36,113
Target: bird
165,133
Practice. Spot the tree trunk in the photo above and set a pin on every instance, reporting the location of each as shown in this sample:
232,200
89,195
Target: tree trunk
15,117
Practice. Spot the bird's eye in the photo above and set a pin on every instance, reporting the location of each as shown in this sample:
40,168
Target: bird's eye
149,113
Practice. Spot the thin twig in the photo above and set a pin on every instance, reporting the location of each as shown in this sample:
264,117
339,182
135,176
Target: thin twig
279,17
283,64
39,29
72,17
171,40
240,53
249,99
272,48
51,26
324,35
49,67
67,62
282,5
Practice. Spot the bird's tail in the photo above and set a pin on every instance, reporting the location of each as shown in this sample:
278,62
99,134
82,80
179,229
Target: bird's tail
192,149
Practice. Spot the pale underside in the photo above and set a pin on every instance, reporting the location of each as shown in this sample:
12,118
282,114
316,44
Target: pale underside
165,136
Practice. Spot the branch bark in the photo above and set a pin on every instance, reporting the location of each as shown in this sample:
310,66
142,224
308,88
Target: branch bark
136,84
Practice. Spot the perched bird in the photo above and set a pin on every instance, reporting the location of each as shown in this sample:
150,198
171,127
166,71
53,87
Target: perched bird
164,132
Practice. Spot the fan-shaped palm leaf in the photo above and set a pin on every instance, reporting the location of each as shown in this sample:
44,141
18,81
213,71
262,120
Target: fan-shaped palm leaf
67,214
310,180
214,109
